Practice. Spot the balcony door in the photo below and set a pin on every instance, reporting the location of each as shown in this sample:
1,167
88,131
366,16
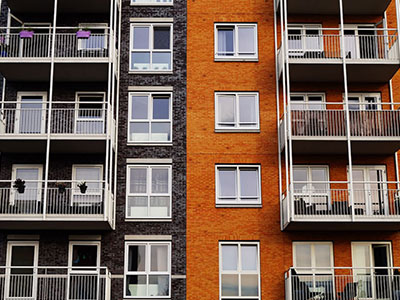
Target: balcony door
30,115
370,190
90,113
21,272
360,42
92,197
372,283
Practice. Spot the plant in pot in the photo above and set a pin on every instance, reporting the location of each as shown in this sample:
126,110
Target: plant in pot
26,33
62,187
82,186
19,185
83,33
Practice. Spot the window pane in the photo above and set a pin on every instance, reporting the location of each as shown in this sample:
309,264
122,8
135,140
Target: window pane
140,61
137,258
227,182
322,255
300,174
137,207
230,285
159,181
248,182
136,285
247,109
246,40
84,255
161,61
138,180
249,258
161,132
249,286
139,107
303,255
226,109
89,174
22,256
162,38
139,132
225,41
159,258
229,257
141,38
158,285
161,107
160,207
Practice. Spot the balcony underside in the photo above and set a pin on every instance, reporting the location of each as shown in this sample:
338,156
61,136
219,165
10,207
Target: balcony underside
333,72
63,72
350,7
328,224
64,6
52,223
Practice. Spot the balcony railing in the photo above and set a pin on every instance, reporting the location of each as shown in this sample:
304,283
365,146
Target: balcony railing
65,202
67,118
57,283
342,283
67,44
327,120
335,201
375,44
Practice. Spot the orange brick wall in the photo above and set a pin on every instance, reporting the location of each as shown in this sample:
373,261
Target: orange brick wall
206,224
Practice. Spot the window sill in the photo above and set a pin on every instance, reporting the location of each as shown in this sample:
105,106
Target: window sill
237,130
148,220
151,72
152,4
150,144
233,59
238,205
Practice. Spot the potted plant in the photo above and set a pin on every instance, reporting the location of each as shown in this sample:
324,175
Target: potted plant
62,187
82,186
26,33
19,185
83,33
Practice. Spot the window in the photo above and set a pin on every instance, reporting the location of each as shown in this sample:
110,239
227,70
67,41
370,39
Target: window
92,175
151,2
148,191
90,113
305,40
238,185
98,37
236,111
150,118
364,101
307,101
239,265
84,254
27,198
236,42
30,115
151,47
148,270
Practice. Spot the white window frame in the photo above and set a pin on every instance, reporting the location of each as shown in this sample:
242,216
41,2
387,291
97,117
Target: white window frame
151,46
14,177
83,243
17,117
150,119
312,267
93,26
75,190
148,193
237,202
236,56
303,28
152,3
237,127
306,101
357,48
239,272
147,271
78,102
362,103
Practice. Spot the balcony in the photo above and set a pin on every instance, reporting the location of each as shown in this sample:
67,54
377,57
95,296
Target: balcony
322,129
333,206
61,283
64,6
342,283
57,207
372,55
28,59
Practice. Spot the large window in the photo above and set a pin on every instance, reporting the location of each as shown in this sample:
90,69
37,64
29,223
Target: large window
236,41
239,264
305,40
148,191
150,118
238,185
307,101
147,270
364,101
151,47
236,111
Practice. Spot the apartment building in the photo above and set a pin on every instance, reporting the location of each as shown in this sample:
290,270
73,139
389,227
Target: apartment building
293,189
93,149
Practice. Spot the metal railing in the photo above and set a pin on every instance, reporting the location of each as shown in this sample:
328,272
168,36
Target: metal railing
342,283
67,44
365,44
64,200
69,118
333,200
56,283
326,119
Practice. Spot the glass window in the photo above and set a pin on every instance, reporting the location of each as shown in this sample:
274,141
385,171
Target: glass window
149,192
147,270
237,111
151,47
238,185
150,118
367,101
236,41
307,101
239,270
313,255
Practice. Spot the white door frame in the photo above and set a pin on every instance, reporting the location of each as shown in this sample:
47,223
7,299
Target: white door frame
14,177
77,103
356,28
18,111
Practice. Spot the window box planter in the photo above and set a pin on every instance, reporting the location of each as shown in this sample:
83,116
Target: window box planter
26,34
19,185
83,34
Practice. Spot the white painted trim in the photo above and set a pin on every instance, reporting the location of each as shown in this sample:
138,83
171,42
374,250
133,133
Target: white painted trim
25,237
84,237
152,3
83,243
151,20
148,237
149,160
44,113
151,88
178,276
